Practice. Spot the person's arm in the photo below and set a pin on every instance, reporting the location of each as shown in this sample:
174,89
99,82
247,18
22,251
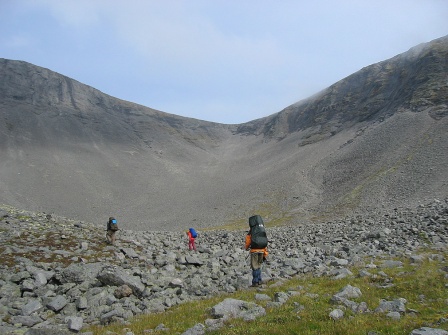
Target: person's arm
248,241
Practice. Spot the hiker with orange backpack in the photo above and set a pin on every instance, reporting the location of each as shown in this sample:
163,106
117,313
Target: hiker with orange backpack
256,242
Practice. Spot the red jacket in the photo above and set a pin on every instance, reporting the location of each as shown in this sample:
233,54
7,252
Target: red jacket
248,242
190,237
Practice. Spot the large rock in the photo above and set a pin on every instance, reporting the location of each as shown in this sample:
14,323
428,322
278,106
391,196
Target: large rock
122,291
57,303
75,323
193,260
336,314
31,307
78,273
397,305
429,331
233,308
27,321
348,292
129,252
117,277
198,329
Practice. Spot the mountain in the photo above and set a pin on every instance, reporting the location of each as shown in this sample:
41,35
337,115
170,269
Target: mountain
374,140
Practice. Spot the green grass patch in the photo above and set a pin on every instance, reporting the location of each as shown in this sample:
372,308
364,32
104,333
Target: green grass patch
423,285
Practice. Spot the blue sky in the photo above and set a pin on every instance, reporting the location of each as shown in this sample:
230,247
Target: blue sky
227,61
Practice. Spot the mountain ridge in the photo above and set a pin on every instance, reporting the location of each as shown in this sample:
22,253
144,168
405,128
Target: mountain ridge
388,77
73,150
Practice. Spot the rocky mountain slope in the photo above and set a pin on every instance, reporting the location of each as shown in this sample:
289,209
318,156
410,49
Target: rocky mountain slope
374,140
58,275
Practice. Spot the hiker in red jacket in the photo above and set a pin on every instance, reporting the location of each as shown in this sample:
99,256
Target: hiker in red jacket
191,233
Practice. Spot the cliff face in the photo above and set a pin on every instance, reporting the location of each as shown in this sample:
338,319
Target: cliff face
32,94
372,140
68,147
414,80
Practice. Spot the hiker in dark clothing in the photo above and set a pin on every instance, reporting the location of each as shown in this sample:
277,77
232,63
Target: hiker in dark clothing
256,241
112,228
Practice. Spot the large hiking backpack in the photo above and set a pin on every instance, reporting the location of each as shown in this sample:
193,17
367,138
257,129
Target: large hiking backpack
113,224
193,232
259,240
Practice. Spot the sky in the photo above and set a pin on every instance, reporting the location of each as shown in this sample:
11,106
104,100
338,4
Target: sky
226,61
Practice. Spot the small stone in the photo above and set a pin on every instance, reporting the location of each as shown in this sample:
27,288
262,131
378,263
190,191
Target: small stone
336,314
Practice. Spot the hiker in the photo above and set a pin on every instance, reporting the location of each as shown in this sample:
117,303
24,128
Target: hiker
257,242
112,228
192,234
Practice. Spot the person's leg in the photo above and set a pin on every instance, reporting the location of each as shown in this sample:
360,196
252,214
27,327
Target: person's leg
255,267
254,277
108,237
258,279
113,237
260,263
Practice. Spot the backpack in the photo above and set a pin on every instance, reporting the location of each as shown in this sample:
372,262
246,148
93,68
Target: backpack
113,224
193,232
259,240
